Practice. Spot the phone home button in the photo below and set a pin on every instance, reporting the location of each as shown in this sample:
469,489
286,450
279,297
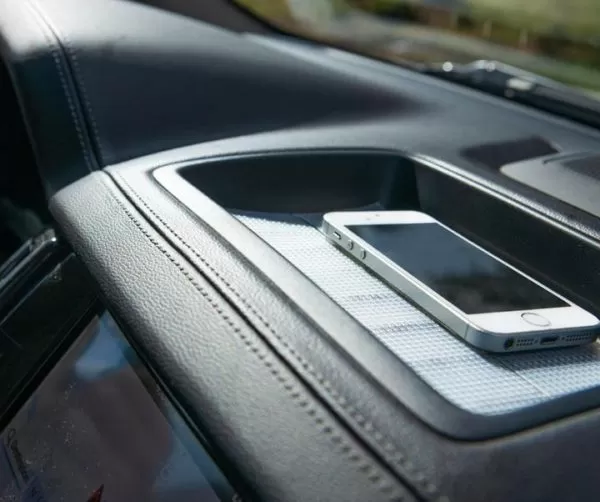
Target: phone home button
535,319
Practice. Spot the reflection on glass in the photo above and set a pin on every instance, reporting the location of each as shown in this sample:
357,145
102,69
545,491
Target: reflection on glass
464,275
100,429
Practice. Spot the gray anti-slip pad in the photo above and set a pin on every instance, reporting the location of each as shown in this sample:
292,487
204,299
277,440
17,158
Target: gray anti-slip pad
481,383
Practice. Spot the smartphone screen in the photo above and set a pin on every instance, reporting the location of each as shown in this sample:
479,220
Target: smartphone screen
470,279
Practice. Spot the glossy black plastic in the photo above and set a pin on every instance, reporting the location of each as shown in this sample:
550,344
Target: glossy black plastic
44,324
22,271
40,327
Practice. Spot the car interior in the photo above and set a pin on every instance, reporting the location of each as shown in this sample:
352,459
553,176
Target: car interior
174,325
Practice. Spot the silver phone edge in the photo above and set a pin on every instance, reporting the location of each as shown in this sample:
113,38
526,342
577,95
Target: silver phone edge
454,321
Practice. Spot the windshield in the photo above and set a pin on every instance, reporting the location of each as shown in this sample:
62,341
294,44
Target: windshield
557,39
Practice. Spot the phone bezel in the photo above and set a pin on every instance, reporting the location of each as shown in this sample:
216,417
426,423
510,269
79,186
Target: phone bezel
506,323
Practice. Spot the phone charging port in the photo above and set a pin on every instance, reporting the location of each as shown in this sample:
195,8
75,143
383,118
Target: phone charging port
548,340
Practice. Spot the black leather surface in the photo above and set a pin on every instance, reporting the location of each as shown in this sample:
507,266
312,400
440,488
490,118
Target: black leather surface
295,415
283,440
47,94
102,81
143,287
105,80
475,470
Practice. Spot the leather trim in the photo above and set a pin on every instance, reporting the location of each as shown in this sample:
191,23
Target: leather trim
129,92
191,329
37,44
68,52
476,464
65,76
283,342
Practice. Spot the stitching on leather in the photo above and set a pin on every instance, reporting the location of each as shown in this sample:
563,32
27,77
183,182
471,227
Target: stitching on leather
36,13
298,395
395,456
84,95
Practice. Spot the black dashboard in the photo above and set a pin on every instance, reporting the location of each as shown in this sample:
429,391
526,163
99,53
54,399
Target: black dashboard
188,167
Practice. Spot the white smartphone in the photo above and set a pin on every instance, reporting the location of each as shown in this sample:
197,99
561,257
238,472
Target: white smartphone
479,297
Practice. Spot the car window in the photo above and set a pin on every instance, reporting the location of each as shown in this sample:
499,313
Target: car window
556,39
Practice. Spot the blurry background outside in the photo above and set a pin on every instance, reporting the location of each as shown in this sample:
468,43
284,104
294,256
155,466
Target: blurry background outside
559,39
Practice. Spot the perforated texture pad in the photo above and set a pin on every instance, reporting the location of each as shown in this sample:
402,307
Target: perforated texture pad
481,383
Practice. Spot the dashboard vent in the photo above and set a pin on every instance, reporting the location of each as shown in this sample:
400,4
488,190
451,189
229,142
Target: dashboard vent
496,155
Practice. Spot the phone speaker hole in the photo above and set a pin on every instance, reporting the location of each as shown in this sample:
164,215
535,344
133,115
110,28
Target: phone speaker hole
579,337
525,342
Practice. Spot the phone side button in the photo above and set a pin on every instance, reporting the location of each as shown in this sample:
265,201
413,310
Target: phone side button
362,254
535,319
